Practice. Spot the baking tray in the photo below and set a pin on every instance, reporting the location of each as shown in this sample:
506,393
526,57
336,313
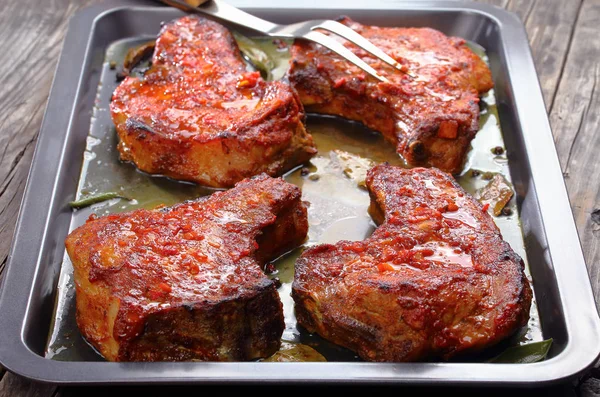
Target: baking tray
330,183
561,284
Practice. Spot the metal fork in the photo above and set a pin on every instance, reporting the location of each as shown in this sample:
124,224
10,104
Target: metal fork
221,10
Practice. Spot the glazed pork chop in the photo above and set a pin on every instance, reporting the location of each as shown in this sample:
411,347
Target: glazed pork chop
430,112
435,279
199,115
185,282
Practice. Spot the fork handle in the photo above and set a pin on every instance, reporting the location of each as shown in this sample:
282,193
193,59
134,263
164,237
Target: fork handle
223,11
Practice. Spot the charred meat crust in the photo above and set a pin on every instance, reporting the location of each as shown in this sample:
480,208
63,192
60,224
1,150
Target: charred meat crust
185,282
434,280
237,329
199,115
430,112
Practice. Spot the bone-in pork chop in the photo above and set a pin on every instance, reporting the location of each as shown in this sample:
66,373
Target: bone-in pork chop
435,279
430,112
199,115
185,282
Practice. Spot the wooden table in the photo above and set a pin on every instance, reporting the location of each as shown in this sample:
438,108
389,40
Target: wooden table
564,36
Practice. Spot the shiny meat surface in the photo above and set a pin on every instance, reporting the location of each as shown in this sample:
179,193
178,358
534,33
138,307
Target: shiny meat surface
430,113
199,115
185,282
435,279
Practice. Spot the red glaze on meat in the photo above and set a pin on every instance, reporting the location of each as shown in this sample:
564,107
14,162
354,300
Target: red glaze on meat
430,117
185,282
434,280
199,115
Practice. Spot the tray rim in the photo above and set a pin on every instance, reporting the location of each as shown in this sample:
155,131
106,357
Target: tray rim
574,359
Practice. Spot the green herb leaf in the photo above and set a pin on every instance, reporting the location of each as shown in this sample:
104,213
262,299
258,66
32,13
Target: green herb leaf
524,354
87,201
255,55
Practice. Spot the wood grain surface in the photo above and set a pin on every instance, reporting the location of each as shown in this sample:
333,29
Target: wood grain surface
575,119
565,41
32,33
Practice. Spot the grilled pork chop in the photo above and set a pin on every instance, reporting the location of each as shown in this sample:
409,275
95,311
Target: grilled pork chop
199,115
435,279
185,282
430,112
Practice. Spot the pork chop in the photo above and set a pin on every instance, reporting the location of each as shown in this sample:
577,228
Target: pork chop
430,112
185,282
199,115
435,279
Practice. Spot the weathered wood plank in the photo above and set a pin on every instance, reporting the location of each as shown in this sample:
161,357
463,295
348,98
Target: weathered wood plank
151,391
497,3
575,119
31,41
32,37
590,388
13,385
549,25
522,8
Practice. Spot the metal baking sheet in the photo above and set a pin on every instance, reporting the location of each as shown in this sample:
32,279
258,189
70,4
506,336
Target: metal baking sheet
38,273
330,183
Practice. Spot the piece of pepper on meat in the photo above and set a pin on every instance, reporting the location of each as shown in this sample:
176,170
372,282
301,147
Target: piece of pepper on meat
430,112
186,282
434,280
